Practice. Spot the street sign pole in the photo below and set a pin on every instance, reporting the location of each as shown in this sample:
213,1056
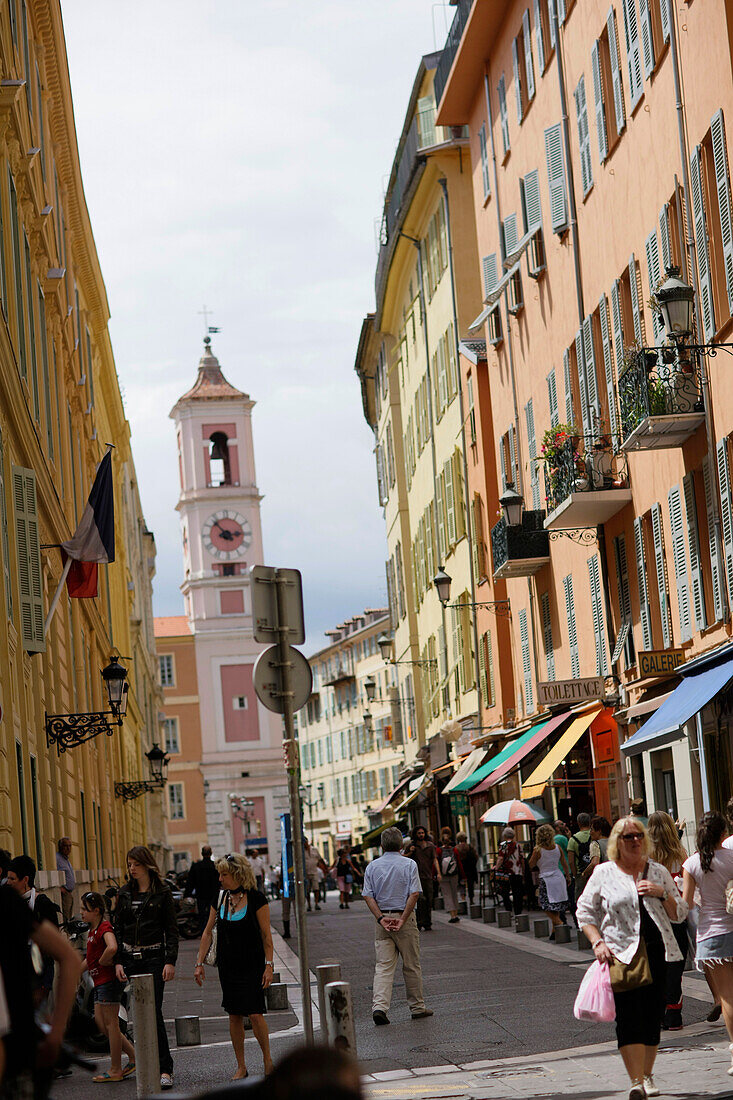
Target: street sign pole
293,769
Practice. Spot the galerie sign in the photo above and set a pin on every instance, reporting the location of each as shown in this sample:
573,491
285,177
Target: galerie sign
553,692
659,662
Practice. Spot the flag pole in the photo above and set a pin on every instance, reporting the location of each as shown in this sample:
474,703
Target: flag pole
57,596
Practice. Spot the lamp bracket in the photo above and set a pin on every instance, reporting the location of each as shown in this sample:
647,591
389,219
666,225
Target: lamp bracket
133,788
583,535
66,731
496,607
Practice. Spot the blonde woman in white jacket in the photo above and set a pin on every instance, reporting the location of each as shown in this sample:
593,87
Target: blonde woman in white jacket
628,899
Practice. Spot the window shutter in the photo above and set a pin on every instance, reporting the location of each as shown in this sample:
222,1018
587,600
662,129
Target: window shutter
585,411
551,21
517,80
539,31
561,6
608,368
511,238
483,148
468,677
502,459
680,562
532,204
661,565
46,376
598,97
450,502
693,541
726,511
475,537
599,628
655,274
701,239
715,576
633,51
624,593
482,676
722,183
532,447
572,628
569,410
618,84
513,454
581,109
591,380
556,177
528,64
664,233
547,634
491,273
29,560
503,114
646,622
552,397
635,305
526,663
647,37
618,332
490,668
5,541
458,492
440,512
664,13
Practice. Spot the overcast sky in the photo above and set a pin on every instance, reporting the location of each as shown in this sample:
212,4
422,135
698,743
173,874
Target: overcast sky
234,153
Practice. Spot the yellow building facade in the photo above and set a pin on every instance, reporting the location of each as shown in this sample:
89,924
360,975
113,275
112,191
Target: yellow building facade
61,405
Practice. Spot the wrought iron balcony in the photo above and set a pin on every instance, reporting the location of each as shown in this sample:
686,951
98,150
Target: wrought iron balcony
586,482
338,674
521,550
660,398
450,49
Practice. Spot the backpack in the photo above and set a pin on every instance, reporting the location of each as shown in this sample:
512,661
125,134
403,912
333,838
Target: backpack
448,864
583,852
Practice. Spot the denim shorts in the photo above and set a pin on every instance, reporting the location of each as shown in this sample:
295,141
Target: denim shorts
108,993
714,949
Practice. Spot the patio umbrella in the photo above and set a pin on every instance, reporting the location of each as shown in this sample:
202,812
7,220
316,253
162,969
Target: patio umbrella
514,812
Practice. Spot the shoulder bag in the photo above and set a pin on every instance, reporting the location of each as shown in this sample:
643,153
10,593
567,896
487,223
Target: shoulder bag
634,974
210,956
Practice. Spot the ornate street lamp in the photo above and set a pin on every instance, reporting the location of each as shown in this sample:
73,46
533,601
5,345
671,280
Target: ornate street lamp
442,584
370,687
676,300
128,789
66,731
385,646
512,506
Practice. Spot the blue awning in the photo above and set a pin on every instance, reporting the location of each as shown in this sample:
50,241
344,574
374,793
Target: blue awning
665,725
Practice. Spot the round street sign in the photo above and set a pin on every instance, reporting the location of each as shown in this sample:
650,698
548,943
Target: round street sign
268,680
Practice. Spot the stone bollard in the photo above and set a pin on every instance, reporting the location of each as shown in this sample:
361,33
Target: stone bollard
462,908
340,1017
541,929
276,977
475,912
147,1074
583,941
438,903
188,1031
326,973
489,915
504,920
562,933
276,997
522,923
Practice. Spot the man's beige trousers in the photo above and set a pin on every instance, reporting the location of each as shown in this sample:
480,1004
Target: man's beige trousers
388,946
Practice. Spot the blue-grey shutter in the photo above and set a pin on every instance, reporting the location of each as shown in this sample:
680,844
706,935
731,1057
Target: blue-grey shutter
528,63
572,627
598,97
664,236
635,304
585,409
608,368
722,183
503,113
551,21
510,234
552,398
624,593
532,203
490,668
581,109
661,566
556,177
599,629
633,51
27,543
618,332
547,635
645,617
532,448
655,274
591,379
517,80
539,31
680,562
490,266
616,79
664,13
715,576
513,454
569,409
526,663
693,541
726,512
647,37
701,240
483,148
502,460
561,6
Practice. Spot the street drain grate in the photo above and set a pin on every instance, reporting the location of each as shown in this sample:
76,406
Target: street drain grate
454,1049
501,1074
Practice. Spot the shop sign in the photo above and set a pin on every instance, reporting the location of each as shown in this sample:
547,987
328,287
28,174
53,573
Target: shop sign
659,662
343,826
553,692
459,804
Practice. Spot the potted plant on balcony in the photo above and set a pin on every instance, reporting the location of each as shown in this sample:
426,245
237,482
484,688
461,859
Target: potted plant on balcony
555,443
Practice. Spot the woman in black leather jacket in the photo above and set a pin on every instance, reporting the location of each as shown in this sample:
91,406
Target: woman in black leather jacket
147,935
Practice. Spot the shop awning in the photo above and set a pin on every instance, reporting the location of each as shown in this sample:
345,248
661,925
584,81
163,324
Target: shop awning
535,783
696,689
469,765
374,834
646,706
417,786
496,761
396,790
519,753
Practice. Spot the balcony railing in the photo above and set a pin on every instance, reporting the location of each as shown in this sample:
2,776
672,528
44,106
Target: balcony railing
450,49
338,674
520,551
586,482
660,399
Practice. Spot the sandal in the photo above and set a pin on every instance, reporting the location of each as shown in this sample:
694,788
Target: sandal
129,1069
103,1078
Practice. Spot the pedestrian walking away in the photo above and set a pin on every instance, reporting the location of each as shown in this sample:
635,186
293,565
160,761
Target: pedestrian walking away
600,830
145,925
579,853
550,861
22,878
63,864
425,854
202,883
450,872
345,873
468,857
626,911
711,870
509,872
313,861
100,962
665,848
391,890
259,868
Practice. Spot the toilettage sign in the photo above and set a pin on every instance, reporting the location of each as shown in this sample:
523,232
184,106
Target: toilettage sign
554,692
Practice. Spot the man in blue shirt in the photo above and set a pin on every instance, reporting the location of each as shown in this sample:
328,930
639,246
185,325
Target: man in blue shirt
391,889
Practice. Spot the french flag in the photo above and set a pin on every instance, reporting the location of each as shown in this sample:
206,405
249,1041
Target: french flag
94,539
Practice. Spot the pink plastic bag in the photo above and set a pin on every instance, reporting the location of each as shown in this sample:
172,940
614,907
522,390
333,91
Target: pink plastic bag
595,997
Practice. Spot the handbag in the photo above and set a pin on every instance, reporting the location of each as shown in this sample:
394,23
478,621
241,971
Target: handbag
634,974
729,896
210,956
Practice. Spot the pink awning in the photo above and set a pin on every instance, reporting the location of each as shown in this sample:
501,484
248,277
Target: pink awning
503,770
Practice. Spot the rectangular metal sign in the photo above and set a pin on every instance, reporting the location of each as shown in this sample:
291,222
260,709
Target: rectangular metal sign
552,693
659,662
264,604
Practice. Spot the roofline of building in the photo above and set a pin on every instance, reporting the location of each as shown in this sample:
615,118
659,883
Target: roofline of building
351,637
469,64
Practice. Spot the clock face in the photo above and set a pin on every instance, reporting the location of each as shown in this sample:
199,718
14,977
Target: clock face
227,535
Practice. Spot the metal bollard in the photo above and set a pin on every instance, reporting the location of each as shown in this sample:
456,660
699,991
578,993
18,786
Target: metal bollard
504,920
327,972
541,929
522,922
188,1031
340,1017
562,933
489,914
147,1073
475,911
276,997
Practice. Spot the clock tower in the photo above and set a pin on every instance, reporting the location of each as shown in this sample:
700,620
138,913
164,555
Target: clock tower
244,784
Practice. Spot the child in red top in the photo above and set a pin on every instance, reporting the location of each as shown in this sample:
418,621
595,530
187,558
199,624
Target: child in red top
101,951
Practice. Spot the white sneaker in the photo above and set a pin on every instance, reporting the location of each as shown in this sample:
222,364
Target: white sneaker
730,1068
650,1088
636,1092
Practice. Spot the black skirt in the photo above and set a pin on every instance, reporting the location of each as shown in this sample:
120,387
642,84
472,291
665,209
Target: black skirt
240,959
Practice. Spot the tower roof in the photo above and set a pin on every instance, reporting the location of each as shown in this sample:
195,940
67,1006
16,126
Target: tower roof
210,384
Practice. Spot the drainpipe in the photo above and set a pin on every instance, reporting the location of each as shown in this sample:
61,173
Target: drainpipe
691,248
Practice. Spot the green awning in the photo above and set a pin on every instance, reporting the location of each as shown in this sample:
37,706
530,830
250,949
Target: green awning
496,761
372,837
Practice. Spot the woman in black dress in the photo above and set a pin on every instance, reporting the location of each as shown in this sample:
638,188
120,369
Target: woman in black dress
244,954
